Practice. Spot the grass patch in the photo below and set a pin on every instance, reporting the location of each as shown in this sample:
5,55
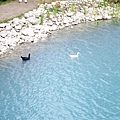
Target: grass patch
73,7
7,20
48,13
55,9
2,2
41,19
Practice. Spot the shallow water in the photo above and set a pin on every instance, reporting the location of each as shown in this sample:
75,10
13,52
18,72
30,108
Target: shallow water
52,86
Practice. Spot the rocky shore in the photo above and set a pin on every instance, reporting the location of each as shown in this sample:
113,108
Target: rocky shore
37,24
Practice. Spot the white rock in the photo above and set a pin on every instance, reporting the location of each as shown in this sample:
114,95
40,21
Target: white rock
53,28
28,32
28,39
3,25
36,38
21,41
11,42
30,13
43,35
91,19
54,19
63,2
50,23
98,17
8,27
46,29
69,14
53,3
51,16
95,5
18,27
3,34
33,20
38,27
57,23
26,15
13,33
100,1
106,16
65,20
36,31
37,15
61,26
109,17
67,24
15,21
75,22
3,49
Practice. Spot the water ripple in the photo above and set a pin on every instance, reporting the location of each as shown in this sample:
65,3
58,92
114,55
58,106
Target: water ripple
52,86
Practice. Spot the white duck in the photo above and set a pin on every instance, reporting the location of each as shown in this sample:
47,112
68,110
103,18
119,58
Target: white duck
75,56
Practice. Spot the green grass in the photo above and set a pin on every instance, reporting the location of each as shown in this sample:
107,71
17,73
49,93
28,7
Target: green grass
63,9
41,19
48,13
55,9
5,2
73,7
97,22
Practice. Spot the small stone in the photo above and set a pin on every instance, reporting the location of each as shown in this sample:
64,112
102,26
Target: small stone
65,20
32,20
8,27
95,5
28,32
50,23
26,15
53,28
99,17
3,34
70,14
3,25
18,27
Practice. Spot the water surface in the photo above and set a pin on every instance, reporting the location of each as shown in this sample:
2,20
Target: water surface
52,86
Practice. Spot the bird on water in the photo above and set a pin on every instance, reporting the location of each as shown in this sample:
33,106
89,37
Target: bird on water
75,56
26,58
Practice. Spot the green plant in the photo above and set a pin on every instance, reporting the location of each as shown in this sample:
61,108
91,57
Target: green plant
45,7
97,22
85,11
48,13
55,9
73,7
63,9
51,9
41,19
94,12
104,2
5,1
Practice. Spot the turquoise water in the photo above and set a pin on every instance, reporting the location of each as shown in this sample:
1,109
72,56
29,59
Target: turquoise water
52,86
